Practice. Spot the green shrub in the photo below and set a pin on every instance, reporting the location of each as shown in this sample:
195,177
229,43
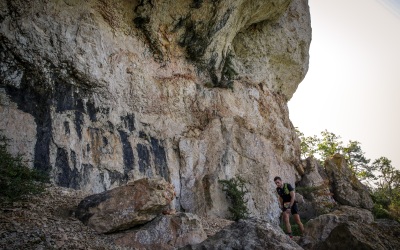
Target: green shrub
386,206
235,189
295,228
380,212
16,179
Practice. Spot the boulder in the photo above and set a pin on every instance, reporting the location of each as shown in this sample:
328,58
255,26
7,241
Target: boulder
248,234
127,206
347,189
318,230
164,232
380,235
314,186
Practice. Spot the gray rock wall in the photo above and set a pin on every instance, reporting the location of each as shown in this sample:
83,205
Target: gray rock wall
97,93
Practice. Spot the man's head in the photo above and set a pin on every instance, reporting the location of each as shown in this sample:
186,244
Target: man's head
278,181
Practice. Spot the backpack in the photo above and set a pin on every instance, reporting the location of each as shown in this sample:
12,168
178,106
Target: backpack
285,188
297,198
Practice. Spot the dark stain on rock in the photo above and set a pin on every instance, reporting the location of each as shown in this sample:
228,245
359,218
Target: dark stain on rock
79,105
91,110
142,22
66,177
116,176
67,96
195,42
43,124
104,111
73,158
129,122
64,97
160,159
110,125
79,120
143,135
105,141
127,152
196,4
43,139
66,128
144,160
33,97
217,25
36,89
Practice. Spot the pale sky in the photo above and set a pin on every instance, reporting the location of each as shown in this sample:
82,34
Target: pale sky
352,87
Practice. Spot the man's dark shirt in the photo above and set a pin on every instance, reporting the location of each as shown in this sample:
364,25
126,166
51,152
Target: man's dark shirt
285,197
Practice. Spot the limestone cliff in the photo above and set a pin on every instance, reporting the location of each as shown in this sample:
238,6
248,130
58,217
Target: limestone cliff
100,92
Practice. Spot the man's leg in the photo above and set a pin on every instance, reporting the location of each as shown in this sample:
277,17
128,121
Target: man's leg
298,222
287,222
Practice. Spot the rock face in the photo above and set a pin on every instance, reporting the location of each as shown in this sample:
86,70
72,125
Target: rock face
324,188
99,93
347,189
248,234
315,187
165,232
126,206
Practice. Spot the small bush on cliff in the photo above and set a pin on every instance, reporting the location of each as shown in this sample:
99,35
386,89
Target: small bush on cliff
16,179
235,189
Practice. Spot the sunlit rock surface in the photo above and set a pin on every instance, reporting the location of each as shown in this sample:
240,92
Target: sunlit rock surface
126,206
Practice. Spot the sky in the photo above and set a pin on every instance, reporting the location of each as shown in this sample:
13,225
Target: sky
352,87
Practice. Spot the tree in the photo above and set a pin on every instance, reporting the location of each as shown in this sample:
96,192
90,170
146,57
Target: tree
387,192
357,161
321,147
388,177
308,144
329,144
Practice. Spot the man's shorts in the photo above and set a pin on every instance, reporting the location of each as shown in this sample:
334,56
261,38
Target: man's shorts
294,209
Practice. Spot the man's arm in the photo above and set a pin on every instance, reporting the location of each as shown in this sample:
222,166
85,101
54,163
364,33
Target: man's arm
292,196
280,202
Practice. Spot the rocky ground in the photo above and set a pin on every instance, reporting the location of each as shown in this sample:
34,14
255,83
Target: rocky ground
48,222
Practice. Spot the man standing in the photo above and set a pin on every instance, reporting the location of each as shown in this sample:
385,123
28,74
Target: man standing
288,205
